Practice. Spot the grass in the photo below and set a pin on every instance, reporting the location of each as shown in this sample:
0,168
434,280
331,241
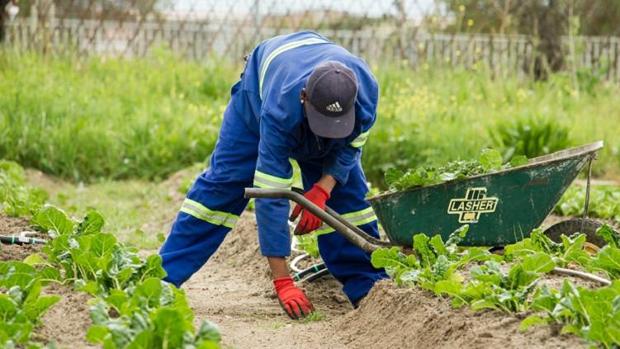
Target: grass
105,119
314,317
109,118
138,212
435,115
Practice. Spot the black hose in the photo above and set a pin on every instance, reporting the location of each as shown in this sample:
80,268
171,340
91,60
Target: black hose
313,269
20,240
317,275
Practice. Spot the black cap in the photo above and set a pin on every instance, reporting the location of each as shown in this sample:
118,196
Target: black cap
330,108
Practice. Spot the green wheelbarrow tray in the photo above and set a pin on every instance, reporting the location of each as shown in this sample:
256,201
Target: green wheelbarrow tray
500,207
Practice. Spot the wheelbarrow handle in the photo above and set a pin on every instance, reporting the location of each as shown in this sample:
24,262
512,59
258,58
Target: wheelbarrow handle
352,233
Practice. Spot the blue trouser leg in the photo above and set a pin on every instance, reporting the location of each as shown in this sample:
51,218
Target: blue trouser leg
213,203
347,262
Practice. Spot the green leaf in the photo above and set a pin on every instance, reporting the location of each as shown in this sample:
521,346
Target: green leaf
208,332
8,306
170,325
93,223
36,308
91,287
118,299
609,235
392,176
53,219
574,250
437,244
149,292
491,159
518,160
458,235
532,320
153,267
423,250
538,263
387,258
480,304
97,334
49,273
16,274
144,339
35,259
608,259
452,288
103,245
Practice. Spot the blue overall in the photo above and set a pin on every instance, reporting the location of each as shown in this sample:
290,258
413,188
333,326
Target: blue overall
264,126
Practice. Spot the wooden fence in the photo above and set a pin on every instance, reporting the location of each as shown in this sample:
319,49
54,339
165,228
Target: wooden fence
200,40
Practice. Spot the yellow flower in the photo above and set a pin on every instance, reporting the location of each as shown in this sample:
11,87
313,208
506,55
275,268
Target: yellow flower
470,22
462,8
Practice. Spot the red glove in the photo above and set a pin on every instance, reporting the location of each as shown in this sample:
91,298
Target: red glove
292,299
310,222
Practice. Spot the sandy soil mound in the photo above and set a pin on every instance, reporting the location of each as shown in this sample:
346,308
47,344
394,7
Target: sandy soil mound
409,318
234,290
240,250
10,226
67,322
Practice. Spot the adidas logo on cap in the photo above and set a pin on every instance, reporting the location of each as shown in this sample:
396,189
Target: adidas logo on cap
334,107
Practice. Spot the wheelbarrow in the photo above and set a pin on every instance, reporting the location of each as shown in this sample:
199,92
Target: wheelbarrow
500,208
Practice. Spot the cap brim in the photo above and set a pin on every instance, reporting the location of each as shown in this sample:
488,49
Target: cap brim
329,126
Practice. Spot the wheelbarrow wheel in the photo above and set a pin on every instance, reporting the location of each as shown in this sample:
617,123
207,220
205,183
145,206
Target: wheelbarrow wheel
568,227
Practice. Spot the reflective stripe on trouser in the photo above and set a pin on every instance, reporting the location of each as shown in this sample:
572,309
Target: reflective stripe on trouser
267,181
196,209
214,202
345,261
358,218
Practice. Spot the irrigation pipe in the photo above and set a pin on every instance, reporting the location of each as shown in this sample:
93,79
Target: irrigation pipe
296,260
582,275
316,275
21,240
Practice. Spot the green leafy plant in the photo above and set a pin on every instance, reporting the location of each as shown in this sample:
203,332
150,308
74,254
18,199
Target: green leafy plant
94,259
593,314
510,283
133,307
530,136
490,160
153,314
604,202
17,198
21,302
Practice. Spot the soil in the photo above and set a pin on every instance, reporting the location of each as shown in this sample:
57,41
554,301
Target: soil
67,321
410,318
14,226
234,290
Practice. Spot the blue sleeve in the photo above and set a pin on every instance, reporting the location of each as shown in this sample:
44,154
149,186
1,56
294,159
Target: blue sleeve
273,170
340,162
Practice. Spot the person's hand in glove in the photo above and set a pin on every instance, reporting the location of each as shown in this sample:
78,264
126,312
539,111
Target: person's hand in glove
309,222
292,299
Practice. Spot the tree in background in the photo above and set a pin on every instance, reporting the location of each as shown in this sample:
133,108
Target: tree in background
3,18
600,17
544,21
96,9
